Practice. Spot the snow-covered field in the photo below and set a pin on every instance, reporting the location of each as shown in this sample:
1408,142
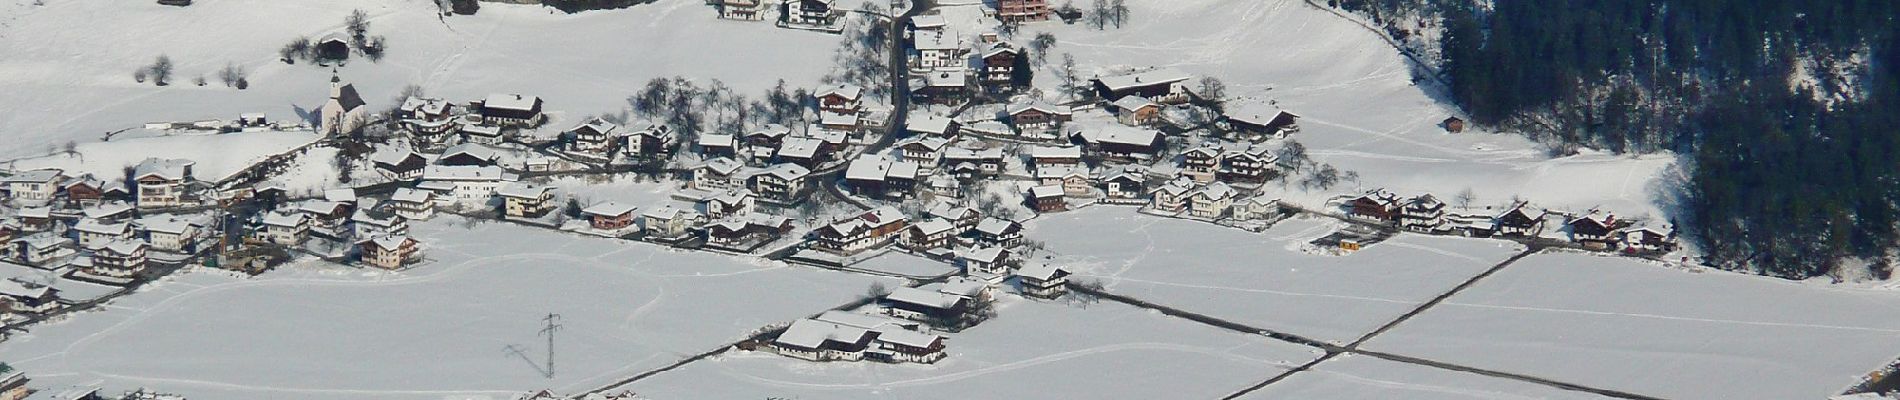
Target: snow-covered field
1361,110
73,84
318,331
217,155
1626,325
1263,279
1032,349
1352,377
905,264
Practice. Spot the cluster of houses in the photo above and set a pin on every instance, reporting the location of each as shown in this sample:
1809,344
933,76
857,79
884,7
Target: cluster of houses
1593,229
899,328
824,15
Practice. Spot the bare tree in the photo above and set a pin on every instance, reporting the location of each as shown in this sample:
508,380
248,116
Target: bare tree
877,290
1465,198
1099,15
1119,12
1071,84
1213,91
231,74
1040,46
162,70
358,25
139,74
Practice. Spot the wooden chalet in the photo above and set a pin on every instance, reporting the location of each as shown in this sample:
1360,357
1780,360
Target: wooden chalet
1424,213
864,231
511,110
1519,221
1594,231
998,232
1376,205
609,215
1165,86
1043,281
1047,199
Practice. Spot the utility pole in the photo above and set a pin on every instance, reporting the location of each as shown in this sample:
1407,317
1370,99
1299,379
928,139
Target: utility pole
549,332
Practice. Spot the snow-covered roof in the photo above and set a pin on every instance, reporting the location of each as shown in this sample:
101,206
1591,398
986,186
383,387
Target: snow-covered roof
33,176
164,224
482,130
930,143
424,105
929,21
995,226
907,337
388,242
946,78
861,320
962,286
1216,190
1132,103
122,247
959,153
45,241
939,40
722,165
284,219
717,139
800,147
89,225
1041,271
1141,79
364,216
1047,108
609,209
598,125
523,190
933,225
813,334
868,167
902,170
409,195
393,155
477,150
1121,135
847,91
786,171
947,211
1047,191
772,130
1257,113
511,102
318,207
931,124
668,212
1055,152
15,287
106,209
462,173
837,119
928,298
167,169
340,195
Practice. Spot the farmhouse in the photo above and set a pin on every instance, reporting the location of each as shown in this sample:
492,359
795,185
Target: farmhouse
999,65
746,10
25,295
986,261
39,184
1201,163
1251,166
939,49
162,182
42,249
389,251
483,134
118,259
649,140
1121,142
944,86
1519,221
1043,281
1171,197
669,222
1376,205
594,139
1424,213
1022,10
462,184
814,340
1037,117
609,215
780,182
412,203
718,174
929,234
1047,199
511,110
932,125
923,151
769,136
1211,201
86,190
95,233
723,204
1594,231
998,232
811,12
964,218
927,306
370,223
1165,86
526,200
168,233
399,163
1647,238
426,117
841,99
966,164
1256,208
870,229
1137,111
804,151
469,154
1258,122
1123,186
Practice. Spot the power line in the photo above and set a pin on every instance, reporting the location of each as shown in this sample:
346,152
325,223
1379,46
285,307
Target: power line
548,331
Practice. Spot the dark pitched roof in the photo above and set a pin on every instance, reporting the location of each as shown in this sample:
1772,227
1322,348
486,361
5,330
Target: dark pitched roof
346,95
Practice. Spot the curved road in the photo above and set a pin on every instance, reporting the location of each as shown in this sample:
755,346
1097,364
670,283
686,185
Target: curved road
900,103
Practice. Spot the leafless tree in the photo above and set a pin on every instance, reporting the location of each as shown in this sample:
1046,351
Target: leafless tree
162,70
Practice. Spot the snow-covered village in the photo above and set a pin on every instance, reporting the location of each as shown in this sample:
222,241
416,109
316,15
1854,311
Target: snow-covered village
845,199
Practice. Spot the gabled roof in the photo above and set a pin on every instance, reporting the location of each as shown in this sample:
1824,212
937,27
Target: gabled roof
383,219
345,96
669,212
33,176
721,166
1055,152
122,247
1118,134
997,226
929,21
1144,79
947,211
167,169
869,167
813,334
984,254
1044,192
482,130
394,156
799,147
165,224
1042,272
89,225
929,143
410,195
931,124
597,126
387,242
523,190
1216,191
511,102
946,78
933,226
609,209
476,150
718,139
939,40
786,171
1046,108
284,219
106,209
927,298
1132,103
851,92
462,173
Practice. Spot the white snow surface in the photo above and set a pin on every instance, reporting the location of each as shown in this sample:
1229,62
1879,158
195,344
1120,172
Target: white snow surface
1354,377
318,331
1032,349
1262,279
70,83
216,155
1632,326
